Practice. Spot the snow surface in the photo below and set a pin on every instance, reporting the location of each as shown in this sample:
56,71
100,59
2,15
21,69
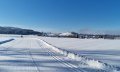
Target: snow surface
91,63
105,50
40,54
83,44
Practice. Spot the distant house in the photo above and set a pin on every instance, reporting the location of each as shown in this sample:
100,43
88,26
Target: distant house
117,37
81,36
98,36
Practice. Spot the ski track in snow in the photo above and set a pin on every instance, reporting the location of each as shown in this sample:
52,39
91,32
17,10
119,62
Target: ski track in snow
21,53
91,63
34,55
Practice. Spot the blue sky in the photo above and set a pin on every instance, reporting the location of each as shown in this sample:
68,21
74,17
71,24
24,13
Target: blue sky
61,15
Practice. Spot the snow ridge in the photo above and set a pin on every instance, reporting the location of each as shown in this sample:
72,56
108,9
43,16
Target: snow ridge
84,61
6,41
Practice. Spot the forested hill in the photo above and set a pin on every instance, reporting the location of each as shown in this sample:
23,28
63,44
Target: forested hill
14,30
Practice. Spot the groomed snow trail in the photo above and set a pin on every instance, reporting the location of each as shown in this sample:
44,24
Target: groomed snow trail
32,55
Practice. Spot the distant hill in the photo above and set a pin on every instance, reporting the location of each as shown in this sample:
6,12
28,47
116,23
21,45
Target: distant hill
14,30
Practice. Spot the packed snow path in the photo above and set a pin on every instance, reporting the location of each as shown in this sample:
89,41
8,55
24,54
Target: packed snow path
30,55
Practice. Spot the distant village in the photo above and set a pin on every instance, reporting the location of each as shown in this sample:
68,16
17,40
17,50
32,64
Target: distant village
20,31
82,36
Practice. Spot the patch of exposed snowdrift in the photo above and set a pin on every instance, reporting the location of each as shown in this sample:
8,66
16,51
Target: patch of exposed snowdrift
86,62
94,64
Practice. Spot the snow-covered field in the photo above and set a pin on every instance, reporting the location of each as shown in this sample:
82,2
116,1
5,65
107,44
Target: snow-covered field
46,54
105,50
